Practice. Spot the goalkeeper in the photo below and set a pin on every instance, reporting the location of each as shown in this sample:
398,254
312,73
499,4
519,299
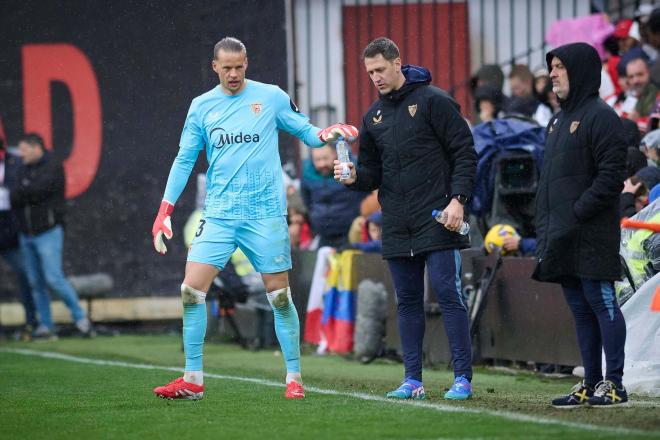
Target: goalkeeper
237,123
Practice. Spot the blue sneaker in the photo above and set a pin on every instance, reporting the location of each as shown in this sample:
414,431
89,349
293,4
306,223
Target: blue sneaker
461,390
409,389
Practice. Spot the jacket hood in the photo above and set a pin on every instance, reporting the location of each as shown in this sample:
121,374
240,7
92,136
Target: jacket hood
583,67
415,76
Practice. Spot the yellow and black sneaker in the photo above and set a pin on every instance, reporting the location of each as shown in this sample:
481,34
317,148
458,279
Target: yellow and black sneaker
579,396
607,395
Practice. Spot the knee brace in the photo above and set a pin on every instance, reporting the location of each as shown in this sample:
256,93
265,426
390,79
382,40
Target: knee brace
192,296
279,298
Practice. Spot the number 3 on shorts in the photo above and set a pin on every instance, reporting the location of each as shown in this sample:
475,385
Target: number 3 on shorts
201,228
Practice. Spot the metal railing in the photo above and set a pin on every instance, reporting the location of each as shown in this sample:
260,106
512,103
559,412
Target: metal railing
452,38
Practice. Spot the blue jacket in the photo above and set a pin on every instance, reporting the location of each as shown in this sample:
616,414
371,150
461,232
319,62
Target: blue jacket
332,207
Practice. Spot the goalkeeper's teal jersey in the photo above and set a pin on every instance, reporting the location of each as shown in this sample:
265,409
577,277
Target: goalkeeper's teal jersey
239,133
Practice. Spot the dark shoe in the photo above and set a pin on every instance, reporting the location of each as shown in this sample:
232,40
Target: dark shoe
24,334
579,396
607,395
85,328
43,333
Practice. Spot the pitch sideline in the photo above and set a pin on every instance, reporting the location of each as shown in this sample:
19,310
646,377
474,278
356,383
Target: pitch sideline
517,417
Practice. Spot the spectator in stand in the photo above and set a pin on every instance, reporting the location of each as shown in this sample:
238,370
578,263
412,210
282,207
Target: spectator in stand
609,72
300,233
635,193
487,85
39,197
373,244
522,101
488,75
624,101
543,89
650,145
649,175
634,196
358,232
331,206
635,161
639,81
370,204
622,33
488,102
10,250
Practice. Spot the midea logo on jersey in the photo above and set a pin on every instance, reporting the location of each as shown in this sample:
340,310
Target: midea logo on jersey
219,137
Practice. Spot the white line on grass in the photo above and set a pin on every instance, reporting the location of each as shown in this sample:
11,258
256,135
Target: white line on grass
518,417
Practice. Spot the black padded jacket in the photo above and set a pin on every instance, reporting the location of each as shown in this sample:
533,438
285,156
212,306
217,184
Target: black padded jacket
417,149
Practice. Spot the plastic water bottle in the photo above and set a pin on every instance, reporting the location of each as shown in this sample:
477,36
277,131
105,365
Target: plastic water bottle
441,218
343,156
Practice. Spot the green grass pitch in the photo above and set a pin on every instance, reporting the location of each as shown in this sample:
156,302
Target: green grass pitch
100,388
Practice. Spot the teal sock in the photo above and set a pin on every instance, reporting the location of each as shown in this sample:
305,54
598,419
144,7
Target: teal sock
194,330
287,327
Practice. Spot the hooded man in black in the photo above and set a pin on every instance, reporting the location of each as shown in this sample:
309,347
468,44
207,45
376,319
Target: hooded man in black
577,219
418,150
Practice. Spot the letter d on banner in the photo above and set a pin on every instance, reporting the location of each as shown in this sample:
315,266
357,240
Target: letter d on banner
43,64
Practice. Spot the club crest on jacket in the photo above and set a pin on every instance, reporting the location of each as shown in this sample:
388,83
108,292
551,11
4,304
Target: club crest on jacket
412,109
574,126
378,118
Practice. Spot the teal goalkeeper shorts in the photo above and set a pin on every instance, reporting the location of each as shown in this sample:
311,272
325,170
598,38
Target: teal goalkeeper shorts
265,242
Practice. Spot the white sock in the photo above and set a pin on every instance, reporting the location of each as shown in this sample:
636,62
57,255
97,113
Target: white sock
196,377
290,377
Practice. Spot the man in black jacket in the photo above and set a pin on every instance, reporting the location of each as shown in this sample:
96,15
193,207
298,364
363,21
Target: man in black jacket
418,150
10,250
38,197
577,219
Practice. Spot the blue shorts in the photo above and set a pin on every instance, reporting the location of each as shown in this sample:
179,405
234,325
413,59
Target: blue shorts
265,242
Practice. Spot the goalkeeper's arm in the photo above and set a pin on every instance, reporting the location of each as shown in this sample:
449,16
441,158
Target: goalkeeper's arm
176,182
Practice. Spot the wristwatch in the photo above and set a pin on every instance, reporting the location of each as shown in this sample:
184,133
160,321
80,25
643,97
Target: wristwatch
461,198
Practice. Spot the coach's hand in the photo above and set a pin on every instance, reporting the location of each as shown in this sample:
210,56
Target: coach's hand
454,212
338,168
332,133
162,226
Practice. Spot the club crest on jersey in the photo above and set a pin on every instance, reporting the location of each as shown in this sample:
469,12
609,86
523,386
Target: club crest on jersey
574,126
256,108
412,109
378,118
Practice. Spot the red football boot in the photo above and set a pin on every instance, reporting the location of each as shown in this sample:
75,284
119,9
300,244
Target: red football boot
294,390
180,389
